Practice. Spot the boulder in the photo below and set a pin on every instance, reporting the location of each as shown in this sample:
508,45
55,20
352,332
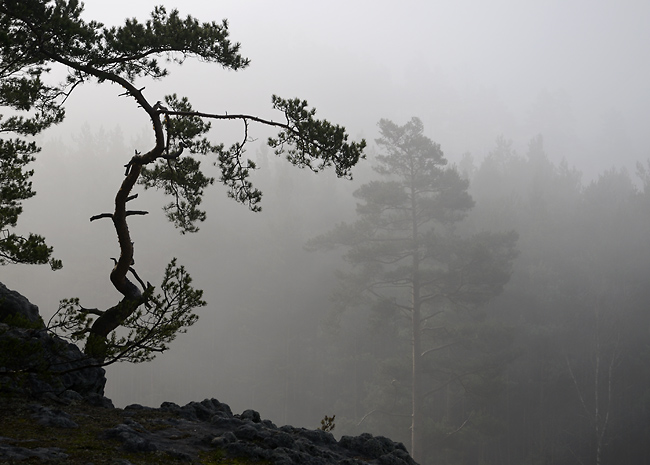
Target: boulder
14,306
33,361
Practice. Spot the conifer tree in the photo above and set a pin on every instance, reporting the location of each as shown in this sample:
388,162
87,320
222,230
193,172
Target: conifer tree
40,34
407,258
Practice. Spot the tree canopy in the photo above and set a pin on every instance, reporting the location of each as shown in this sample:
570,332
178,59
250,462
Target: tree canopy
37,35
32,108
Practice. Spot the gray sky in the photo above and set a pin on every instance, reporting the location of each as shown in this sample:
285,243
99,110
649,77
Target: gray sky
575,71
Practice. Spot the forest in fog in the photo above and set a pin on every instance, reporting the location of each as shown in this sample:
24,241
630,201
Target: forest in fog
552,369
479,290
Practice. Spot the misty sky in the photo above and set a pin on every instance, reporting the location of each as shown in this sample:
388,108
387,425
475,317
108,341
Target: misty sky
574,71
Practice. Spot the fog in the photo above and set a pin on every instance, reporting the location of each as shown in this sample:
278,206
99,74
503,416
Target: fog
470,70
574,72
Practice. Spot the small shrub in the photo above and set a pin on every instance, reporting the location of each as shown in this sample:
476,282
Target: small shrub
327,423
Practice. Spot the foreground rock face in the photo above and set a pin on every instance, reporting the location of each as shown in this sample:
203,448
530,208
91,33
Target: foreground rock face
214,427
43,384
38,363
199,432
14,304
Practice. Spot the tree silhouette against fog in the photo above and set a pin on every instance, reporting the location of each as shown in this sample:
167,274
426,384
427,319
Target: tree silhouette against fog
407,258
38,34
15,187
22,92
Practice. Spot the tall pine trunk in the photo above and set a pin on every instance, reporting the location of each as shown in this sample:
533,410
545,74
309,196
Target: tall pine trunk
417,400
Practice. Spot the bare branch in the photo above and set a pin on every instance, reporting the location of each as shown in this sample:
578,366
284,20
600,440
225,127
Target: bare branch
461,426
136,212
92,311
433,315
226,116
435,349
126,93
101,215
133,272
383,412
578,390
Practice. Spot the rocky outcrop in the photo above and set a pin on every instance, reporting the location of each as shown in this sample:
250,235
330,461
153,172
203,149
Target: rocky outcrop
55,378
35,362
214,427
14,305
199,432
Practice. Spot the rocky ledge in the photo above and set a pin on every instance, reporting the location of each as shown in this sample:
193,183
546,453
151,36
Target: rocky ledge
199,432
52,408
37,363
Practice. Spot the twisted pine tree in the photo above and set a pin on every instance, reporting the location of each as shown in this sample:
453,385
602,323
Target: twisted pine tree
37,34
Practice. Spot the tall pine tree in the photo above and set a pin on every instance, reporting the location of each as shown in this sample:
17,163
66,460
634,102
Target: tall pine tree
407,258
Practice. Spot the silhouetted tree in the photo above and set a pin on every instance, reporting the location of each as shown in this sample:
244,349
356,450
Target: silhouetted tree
31,109
38,34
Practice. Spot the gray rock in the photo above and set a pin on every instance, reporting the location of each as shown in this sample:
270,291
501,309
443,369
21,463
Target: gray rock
205,410
136,407
69,396
16,453
132,440
53,418
226,438
247,432
170,406
251,415
38,363
318,436
279,439
98,400
13,304
225,423
59,371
